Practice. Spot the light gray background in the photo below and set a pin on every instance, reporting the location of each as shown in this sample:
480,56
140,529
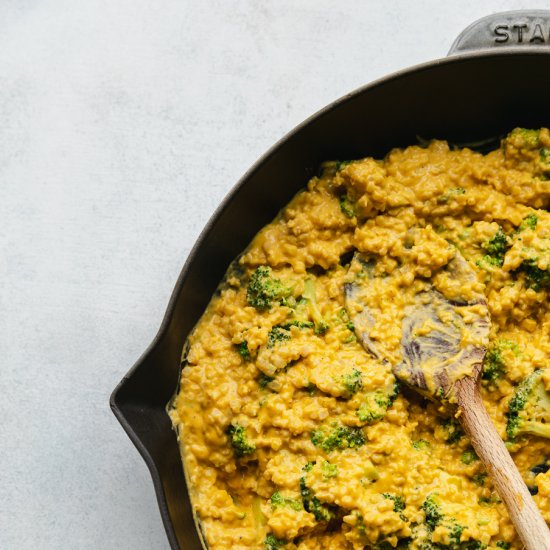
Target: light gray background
123,123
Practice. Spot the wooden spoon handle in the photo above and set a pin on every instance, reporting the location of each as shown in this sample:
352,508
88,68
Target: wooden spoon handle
523,511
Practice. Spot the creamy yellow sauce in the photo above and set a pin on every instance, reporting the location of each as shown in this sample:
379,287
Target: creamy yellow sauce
291,487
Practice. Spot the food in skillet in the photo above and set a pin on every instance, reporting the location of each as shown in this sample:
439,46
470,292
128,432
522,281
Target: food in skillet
293,436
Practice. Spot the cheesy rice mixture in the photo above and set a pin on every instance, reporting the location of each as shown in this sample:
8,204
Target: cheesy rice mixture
294,437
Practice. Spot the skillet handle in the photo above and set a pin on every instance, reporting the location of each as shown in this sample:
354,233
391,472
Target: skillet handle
509,29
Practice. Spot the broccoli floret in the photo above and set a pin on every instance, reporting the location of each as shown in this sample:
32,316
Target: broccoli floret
455,532
347,206
311,389
344,319
352,382
279,501
298,324
452,430
264,380
239,442
493,364
329,470
544,162
277,335
434,517
264,290
321,511
469,456
273,543
535,277
339,437
281,333
529,222
321,326
398,502
377,403
449,194
504,545
524,138
421,445
432,511
496,248
243,350
529,408
480,479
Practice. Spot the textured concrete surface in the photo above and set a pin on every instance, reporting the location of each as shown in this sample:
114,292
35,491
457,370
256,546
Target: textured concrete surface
122,125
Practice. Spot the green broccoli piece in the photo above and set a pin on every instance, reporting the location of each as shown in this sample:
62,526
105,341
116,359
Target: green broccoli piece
321,511
279,501
242,349
329,470
529,222
529,408
277,335
494,366
321,326
239,442
298,324
347,206
340,437
398,502
432,511
535,277
525,137
352,382
273,543
344,319
480,479
264,290
455,532
496,248
452,430
264,380
421,445
377,403
434,517
449,194
544,162
281,333
469,456
504,545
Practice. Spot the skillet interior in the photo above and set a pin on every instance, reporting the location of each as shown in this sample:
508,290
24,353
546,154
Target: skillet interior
461,99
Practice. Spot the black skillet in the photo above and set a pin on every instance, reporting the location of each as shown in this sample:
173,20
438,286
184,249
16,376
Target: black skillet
497,77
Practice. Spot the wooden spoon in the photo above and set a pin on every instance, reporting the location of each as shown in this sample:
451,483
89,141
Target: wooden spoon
441,353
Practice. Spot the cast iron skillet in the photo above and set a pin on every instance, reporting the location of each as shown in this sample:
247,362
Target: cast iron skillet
497,77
